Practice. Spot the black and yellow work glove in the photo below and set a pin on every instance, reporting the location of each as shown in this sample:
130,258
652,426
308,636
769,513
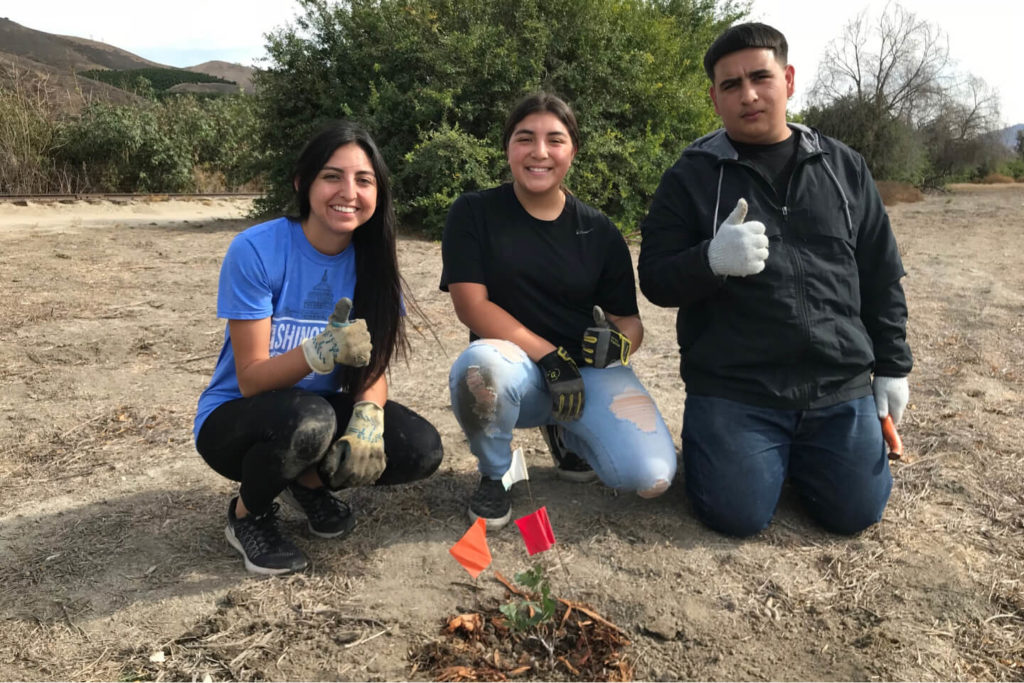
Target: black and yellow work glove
603,343
564,383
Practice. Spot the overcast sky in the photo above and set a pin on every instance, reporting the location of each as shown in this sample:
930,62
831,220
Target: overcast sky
982,33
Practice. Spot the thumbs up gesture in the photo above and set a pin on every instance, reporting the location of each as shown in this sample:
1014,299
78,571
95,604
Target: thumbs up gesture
739,248
343,342
603,343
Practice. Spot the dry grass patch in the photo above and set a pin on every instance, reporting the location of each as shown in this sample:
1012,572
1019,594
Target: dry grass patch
894,192
996,178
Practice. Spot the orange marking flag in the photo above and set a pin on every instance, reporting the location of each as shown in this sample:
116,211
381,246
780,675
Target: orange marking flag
471,551
536,531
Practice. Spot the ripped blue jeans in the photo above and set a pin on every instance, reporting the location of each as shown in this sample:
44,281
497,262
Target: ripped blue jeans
495,388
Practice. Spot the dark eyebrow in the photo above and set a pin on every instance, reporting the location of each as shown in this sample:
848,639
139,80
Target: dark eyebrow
523,131
760,73
341,170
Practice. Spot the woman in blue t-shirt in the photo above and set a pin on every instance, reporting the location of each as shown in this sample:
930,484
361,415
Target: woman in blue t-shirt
545,285
298,405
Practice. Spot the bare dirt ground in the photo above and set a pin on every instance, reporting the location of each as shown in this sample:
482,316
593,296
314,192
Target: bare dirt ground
113,563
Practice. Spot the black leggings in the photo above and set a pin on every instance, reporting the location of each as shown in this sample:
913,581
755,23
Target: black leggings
267,441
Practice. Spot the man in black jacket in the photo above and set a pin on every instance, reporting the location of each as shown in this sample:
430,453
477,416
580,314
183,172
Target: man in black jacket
773,242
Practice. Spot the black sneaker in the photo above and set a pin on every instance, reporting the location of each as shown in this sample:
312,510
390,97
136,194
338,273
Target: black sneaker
265,550
327,516
570,466
491,502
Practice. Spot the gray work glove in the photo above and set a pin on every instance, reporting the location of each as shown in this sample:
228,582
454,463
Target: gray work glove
891,396
564,383
739,248
343,342
357,458
603,343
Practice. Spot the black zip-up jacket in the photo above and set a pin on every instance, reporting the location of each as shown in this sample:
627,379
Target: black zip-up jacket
827,310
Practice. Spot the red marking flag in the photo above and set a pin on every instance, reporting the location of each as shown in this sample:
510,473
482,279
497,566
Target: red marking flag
471,551
536,531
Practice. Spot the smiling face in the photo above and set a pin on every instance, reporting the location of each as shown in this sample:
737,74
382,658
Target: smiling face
750,92
342,197
540,151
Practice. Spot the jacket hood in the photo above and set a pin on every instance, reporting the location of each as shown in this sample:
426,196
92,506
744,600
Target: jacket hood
716,143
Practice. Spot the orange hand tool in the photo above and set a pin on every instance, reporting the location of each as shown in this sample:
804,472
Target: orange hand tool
892,438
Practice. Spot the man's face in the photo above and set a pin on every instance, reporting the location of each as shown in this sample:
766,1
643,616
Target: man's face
750,91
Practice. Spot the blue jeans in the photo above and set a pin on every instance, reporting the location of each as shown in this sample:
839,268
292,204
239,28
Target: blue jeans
737,457
496,388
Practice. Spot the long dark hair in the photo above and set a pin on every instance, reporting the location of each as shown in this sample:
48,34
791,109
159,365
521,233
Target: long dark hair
378,295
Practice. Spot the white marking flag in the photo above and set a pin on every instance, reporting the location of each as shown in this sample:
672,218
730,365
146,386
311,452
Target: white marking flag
517,472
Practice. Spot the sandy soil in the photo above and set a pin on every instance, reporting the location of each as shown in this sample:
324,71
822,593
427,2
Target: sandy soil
113,563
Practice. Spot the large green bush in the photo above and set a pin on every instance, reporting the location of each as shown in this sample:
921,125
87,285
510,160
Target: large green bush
160,146
440,168
434,79
123,149
893,149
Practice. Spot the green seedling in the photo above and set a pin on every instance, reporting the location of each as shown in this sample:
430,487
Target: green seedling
528,614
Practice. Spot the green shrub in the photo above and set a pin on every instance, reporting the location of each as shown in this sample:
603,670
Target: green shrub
160,147
1013,168
122,149
445,164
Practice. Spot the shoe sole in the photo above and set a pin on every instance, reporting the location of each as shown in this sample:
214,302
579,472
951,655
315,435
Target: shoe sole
584,477
493,523
255,568
289,499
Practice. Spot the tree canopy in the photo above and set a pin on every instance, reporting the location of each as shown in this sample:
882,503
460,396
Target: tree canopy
889,88
433,81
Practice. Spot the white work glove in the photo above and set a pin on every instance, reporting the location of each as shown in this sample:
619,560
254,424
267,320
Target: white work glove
343,342
738,248
891,396
357,458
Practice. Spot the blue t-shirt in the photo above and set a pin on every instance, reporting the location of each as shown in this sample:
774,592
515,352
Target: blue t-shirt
272,271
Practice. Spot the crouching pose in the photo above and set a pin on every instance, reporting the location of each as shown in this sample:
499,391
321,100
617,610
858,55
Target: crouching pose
545,285
298,403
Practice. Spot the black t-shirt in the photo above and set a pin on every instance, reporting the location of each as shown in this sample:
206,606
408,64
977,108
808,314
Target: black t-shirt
775,161
547,274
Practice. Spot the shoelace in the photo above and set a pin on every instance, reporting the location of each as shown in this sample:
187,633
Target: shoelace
319,504
261,531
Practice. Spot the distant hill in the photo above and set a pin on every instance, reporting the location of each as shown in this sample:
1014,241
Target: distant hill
48,62
242,75
59,88
1008,136
65,52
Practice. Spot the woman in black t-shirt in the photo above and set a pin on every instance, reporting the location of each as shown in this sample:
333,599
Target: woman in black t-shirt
545,285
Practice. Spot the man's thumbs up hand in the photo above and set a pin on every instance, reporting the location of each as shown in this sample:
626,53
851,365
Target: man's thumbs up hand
740,248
